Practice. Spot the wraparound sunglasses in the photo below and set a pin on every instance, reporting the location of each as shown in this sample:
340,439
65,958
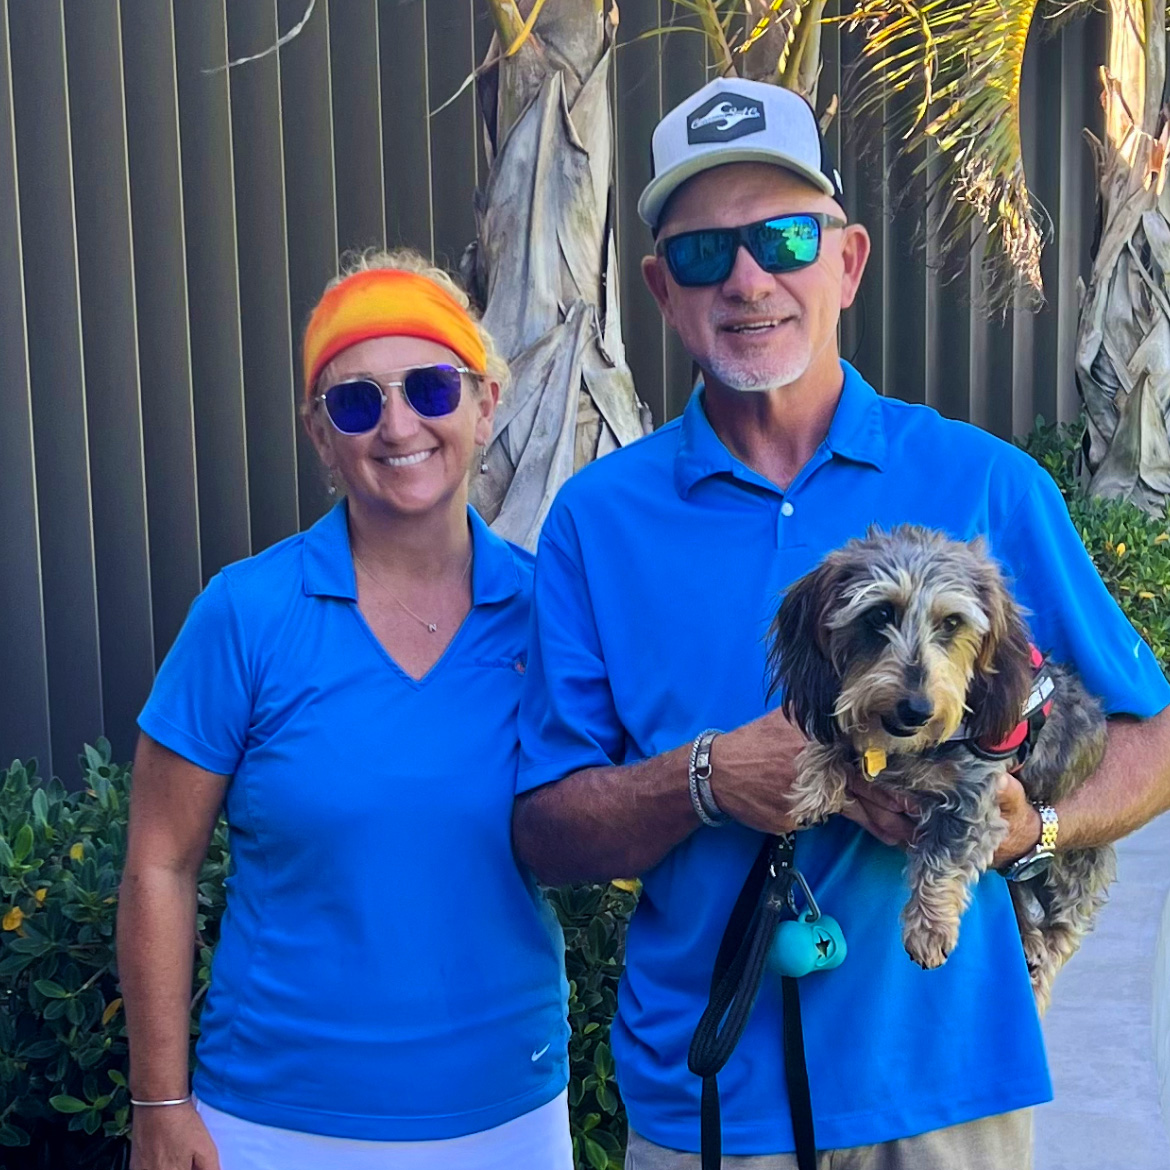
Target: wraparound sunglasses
355,406
784,243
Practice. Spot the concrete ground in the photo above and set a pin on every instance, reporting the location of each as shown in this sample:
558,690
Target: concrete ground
1106,1115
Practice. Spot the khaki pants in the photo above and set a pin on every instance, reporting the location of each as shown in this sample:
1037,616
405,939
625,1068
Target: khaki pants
1003,1142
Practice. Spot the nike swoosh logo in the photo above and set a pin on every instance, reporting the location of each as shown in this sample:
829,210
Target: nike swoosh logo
537,1055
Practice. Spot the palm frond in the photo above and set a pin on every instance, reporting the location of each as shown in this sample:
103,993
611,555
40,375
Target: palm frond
715,19
767,40
950,70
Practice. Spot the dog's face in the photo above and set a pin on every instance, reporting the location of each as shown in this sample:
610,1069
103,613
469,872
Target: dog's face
894,639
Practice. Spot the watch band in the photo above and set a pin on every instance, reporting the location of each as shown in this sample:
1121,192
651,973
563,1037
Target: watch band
1050,829
699,781
1040,855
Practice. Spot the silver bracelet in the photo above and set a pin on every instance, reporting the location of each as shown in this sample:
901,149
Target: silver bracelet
155,1104
699,781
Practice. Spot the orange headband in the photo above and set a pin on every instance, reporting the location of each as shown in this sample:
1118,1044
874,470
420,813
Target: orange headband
387,302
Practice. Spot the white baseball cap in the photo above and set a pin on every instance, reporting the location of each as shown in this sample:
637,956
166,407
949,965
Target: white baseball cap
735,120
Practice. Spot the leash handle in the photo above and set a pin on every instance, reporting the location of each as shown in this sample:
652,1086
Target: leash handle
735,984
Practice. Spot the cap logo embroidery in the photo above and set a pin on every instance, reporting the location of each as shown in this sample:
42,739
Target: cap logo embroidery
724,118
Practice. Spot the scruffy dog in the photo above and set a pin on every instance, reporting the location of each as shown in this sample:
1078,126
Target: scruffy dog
900,655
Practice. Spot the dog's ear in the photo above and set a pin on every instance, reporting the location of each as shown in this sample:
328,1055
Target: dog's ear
1003,667
797,660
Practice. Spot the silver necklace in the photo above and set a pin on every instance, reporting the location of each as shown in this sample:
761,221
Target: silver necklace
432,627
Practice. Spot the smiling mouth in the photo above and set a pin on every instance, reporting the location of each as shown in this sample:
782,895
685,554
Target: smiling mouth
749,327
406,460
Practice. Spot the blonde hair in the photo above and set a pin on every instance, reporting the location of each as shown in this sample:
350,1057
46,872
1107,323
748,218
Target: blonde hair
409,260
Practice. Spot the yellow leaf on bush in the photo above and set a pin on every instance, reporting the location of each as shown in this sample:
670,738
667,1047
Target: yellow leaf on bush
1146,594
13,918
630,885
111,1010
1161,537
77,851
41,895
1121,549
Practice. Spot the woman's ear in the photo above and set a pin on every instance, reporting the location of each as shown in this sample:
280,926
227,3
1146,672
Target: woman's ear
486,402
797,658
320,432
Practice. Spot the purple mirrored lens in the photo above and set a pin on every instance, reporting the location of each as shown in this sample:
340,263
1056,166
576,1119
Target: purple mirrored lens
433,390
354,407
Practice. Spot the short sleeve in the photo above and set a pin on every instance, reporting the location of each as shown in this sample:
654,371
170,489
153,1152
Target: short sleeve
1073,617
567,716
201,703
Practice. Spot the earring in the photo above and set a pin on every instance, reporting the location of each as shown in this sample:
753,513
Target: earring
483,467
331,484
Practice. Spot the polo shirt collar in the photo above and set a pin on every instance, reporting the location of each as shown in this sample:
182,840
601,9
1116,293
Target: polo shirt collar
328,565
856,433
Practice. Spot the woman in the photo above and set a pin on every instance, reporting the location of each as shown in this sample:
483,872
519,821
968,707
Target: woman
388,990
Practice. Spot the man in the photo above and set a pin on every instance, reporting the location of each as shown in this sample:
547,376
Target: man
658,572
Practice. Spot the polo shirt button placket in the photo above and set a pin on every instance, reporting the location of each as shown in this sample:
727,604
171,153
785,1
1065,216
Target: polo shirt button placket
786,510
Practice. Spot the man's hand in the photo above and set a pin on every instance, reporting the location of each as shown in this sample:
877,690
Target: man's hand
1023,822
890,816
752,769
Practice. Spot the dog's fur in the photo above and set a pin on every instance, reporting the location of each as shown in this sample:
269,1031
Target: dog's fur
912,617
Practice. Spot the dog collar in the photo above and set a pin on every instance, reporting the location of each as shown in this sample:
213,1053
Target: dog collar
1015,747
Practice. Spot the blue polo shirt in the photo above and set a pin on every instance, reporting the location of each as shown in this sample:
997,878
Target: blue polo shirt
384,970
658,573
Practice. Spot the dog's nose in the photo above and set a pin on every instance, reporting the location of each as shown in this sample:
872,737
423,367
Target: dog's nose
915,711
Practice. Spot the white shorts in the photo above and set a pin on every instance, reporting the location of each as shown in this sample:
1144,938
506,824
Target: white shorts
538,1140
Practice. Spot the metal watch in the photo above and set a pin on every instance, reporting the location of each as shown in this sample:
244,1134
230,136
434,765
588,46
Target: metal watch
1039,857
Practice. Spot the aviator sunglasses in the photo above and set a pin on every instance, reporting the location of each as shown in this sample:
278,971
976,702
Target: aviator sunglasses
784,243
355,406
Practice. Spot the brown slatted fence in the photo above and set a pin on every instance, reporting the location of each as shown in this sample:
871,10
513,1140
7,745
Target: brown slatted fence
166,225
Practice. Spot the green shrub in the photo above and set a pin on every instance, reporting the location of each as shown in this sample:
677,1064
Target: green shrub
594,919
1130,549
63,1092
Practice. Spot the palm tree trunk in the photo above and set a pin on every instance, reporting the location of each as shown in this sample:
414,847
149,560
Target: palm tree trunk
545,264
1123,338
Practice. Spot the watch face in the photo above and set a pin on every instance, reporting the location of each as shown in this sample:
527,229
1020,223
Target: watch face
1027,868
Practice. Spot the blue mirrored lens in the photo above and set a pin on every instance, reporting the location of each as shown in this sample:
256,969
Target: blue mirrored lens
783,244
703,257
433,390
354,407
786,243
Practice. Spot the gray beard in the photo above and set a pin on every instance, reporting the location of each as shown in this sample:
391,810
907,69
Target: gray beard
757,380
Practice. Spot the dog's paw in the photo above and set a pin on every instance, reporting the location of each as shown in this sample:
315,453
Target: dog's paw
928,944
809,811
1035,954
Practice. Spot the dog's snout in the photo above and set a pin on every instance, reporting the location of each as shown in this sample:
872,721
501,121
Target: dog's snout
914,711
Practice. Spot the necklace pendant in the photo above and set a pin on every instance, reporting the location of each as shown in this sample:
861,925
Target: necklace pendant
431,627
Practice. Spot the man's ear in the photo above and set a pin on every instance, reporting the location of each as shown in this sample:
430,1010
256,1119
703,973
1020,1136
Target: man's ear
855,248
655,275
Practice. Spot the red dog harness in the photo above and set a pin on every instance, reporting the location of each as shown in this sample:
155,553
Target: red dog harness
1015,748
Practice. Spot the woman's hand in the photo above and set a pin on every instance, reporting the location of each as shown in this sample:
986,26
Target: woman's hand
171,1137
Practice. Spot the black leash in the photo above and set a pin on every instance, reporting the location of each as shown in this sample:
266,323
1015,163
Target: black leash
739,968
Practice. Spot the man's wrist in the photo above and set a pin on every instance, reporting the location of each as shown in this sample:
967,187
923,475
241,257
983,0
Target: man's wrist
699,772
1038,856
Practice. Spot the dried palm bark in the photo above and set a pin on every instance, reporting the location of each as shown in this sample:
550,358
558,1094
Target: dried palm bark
1123,336
545,264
